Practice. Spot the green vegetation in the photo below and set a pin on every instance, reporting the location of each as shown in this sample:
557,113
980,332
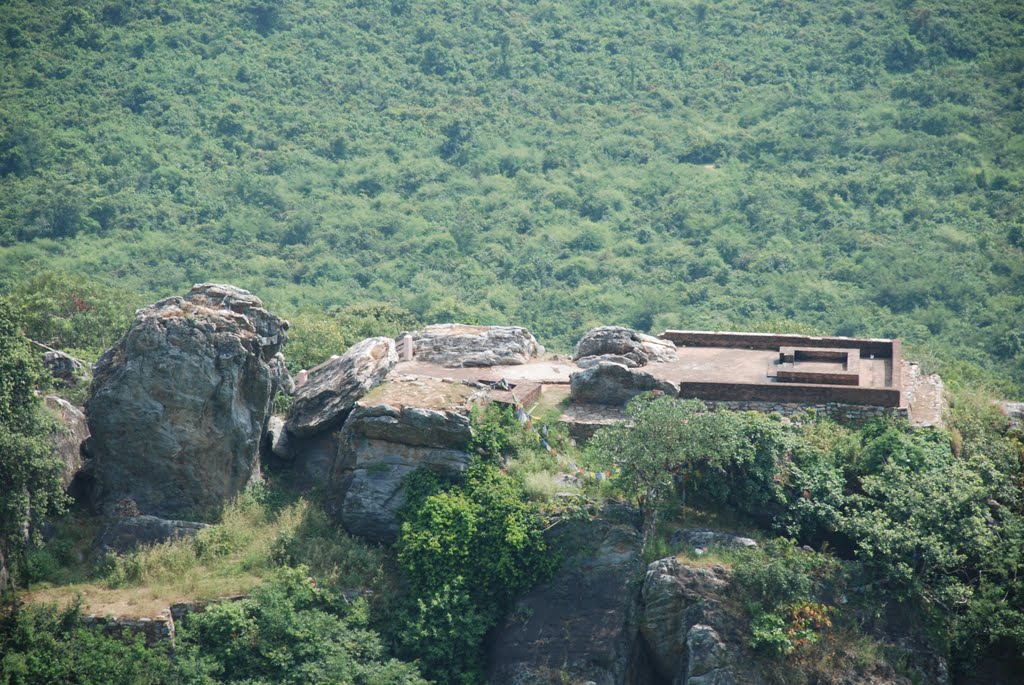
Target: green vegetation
928,526
289,631
678,447
30,472
664,163
41,645
467,551
366,168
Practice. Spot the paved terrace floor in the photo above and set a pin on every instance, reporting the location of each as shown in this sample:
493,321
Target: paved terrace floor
693,364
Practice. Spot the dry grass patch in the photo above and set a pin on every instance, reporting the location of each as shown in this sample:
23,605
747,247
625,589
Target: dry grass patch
230,558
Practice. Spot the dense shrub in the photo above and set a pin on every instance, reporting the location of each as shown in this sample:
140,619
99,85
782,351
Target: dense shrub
42,645
30,471
467,550
292,631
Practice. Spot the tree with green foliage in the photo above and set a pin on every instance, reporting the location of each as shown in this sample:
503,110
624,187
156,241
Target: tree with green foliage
467,550
69,313
314,336
43,645
673,445
30,470
290,631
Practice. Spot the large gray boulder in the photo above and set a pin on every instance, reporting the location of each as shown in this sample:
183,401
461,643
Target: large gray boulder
614,384
457,345
580,626
370,499
703,538
332,389
707,658
127,534
177,406
675,597
71,432
403,425
65,369
608,342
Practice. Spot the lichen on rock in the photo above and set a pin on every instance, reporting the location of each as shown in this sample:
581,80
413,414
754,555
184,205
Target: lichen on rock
178,404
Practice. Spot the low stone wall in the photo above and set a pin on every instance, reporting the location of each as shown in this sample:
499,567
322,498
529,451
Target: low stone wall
880,347
845,413
155,630
789,393
583,420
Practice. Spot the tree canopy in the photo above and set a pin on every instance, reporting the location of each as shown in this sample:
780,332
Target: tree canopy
818,166
30,470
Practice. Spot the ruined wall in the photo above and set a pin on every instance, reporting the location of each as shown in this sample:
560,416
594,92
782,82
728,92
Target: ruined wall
155,630
807,394
853,414
880,347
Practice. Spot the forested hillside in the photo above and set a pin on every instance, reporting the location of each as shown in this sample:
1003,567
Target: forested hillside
853,169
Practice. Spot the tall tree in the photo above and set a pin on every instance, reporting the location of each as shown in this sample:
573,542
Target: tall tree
30,470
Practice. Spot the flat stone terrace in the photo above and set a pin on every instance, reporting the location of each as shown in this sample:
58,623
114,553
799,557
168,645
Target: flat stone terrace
549,369
734,365
694,363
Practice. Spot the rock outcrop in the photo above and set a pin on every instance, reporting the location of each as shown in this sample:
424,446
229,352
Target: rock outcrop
707,660
614,384
71,433
177,406
676,598
581,625
1014,411
127,534
404,424
703,538
622,345
332,389
65,369
457,345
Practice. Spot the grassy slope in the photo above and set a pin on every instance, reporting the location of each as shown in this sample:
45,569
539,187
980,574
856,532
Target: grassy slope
736,164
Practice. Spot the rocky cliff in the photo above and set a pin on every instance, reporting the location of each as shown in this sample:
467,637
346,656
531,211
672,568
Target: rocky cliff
404,424
581,626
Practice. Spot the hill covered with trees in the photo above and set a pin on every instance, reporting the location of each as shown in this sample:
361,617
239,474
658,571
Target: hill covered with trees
792,165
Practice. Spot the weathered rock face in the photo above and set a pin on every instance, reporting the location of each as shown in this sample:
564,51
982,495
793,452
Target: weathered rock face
129,533
178,405
675,598
581,625
1014,411
608,342
403,425
707,658
332,389
588,362
455,345
924,395
702,538
65,369
271,330
67,441
614,384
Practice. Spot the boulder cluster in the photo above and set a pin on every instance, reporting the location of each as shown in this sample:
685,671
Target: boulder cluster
180,419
